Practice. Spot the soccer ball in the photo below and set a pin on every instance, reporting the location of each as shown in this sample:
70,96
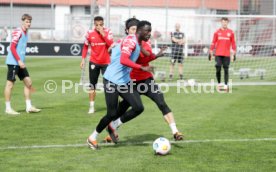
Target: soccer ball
161,146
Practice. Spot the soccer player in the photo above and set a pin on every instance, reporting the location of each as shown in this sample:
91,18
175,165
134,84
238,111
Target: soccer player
145,82
222,41
117,81
99,39
16,66
177,51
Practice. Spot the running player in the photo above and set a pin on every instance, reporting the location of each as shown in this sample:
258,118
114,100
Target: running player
16,66
222,41
117,81
99,39
145,82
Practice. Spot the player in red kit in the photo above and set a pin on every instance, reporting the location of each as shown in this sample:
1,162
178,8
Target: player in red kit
146,85
223,40
99,39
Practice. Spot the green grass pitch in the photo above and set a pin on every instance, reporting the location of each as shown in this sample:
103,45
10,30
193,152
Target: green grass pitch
222,130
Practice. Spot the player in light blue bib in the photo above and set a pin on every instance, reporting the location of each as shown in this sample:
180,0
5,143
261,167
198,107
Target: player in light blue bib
16,66
117,80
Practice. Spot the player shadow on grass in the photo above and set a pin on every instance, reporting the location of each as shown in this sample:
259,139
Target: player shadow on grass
42,109
137,140
100,109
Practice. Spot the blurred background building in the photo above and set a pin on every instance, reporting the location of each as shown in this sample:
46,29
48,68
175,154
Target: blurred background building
68,20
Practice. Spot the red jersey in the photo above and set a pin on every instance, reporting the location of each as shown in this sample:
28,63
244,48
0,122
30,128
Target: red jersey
16,35
99,46
222,41
138,74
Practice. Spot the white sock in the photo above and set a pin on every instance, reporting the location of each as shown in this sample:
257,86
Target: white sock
112,123
94,135
8,105
92,103
28,104
173,128
117,123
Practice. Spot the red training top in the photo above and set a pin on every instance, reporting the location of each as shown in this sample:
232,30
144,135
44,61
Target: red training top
138,74
16,35
127,47
222,40
99,46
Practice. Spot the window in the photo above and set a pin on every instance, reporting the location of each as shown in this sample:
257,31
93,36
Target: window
222,12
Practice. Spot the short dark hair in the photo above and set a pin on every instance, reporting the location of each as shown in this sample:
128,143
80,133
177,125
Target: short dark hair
98,18
142,24
131,22
26,17
225,18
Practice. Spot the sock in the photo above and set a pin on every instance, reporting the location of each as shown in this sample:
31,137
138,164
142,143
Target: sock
92,103
112,123
8,105
181,76
117,123
173,128
94,135
170,76
28,104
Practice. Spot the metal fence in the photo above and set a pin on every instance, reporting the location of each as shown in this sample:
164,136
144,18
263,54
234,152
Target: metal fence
68,20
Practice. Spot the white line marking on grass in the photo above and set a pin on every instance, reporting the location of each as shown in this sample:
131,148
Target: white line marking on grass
233,84
136,143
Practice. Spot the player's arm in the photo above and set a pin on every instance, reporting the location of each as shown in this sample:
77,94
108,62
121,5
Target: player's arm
213,44
234,46
84,50
182,40
16,35
107,36
128,46
146,50
174,40
150,56
161,52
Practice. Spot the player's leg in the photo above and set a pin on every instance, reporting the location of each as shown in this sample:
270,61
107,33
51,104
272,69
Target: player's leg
111,98
155,95
12,72
173,60
134,100
180,66
218,69
28,89
122,108
226,63
94,72
103,69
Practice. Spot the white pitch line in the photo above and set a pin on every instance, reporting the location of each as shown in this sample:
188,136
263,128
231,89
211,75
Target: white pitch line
136,143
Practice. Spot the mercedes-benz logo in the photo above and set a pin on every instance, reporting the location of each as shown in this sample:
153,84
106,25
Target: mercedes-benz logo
75,49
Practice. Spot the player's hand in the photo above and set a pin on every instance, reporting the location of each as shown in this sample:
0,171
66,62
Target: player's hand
181,42
161,52
147,68
210,56
100,29
21,64
82,64
233,57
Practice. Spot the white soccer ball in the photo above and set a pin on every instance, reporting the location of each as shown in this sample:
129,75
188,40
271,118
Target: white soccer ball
161,146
